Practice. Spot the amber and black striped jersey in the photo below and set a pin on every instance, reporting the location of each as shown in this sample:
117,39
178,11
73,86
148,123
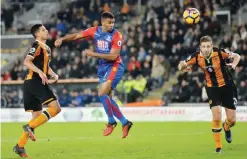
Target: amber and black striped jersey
215,70
41,54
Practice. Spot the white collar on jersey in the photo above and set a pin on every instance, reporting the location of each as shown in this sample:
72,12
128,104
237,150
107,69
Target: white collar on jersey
208,57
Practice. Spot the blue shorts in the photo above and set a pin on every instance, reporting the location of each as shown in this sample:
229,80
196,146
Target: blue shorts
111,73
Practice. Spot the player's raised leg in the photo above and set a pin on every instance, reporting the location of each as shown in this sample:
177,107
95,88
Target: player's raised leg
216,127
52,110
112,78
229,122
103,92
229,102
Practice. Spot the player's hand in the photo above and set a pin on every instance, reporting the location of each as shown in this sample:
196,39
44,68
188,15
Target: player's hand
231,65
89,52
58,42
43,77
182,65
54,79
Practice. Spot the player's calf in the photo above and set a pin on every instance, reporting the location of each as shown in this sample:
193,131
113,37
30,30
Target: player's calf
44,117
47,114
216,130
226,126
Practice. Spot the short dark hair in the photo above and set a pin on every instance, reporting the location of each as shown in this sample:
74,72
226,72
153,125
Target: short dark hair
35,29
105,15
206,39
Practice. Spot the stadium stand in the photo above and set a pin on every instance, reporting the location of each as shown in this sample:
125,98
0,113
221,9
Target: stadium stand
153,45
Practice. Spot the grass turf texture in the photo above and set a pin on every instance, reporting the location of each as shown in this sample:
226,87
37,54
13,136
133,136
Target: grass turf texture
169,140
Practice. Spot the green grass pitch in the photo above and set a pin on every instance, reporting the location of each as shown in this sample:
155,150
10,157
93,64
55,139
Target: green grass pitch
160,140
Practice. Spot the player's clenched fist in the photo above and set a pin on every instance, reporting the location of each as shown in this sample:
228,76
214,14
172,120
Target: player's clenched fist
58,42
182,65
54,78
88,52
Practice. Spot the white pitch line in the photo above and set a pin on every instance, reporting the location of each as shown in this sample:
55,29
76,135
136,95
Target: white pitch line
96,137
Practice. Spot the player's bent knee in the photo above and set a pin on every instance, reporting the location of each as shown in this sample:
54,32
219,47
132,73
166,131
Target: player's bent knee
59,109
54,107
233,122
101,93
104,89
110,95
217,117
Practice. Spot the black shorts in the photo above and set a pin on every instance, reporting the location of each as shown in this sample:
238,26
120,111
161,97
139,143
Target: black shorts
36,94
225,96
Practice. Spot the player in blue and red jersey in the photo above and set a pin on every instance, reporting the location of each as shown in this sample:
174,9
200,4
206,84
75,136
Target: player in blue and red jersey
108,45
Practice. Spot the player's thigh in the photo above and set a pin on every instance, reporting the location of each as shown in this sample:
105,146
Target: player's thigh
216,112
115,76
104,88
31,102
111,78
228,99
48,96
213,96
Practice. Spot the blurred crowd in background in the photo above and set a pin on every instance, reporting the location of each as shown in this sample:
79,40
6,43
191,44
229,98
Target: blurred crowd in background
154,41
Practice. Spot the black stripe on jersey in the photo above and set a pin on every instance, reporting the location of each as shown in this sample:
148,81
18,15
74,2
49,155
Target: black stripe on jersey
223,68
211,73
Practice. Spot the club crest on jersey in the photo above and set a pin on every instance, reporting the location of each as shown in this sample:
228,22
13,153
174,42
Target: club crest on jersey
102,45
119,43
210,69
108,38
32,51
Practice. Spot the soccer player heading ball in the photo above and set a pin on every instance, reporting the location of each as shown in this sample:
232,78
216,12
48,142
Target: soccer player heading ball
220,87
107,41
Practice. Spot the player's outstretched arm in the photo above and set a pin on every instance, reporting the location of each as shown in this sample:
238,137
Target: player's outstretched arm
68,37
112,56
88,33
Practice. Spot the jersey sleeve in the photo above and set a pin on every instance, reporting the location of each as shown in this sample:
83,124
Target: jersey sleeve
117,40
89,33
34,50
226,53
191,60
